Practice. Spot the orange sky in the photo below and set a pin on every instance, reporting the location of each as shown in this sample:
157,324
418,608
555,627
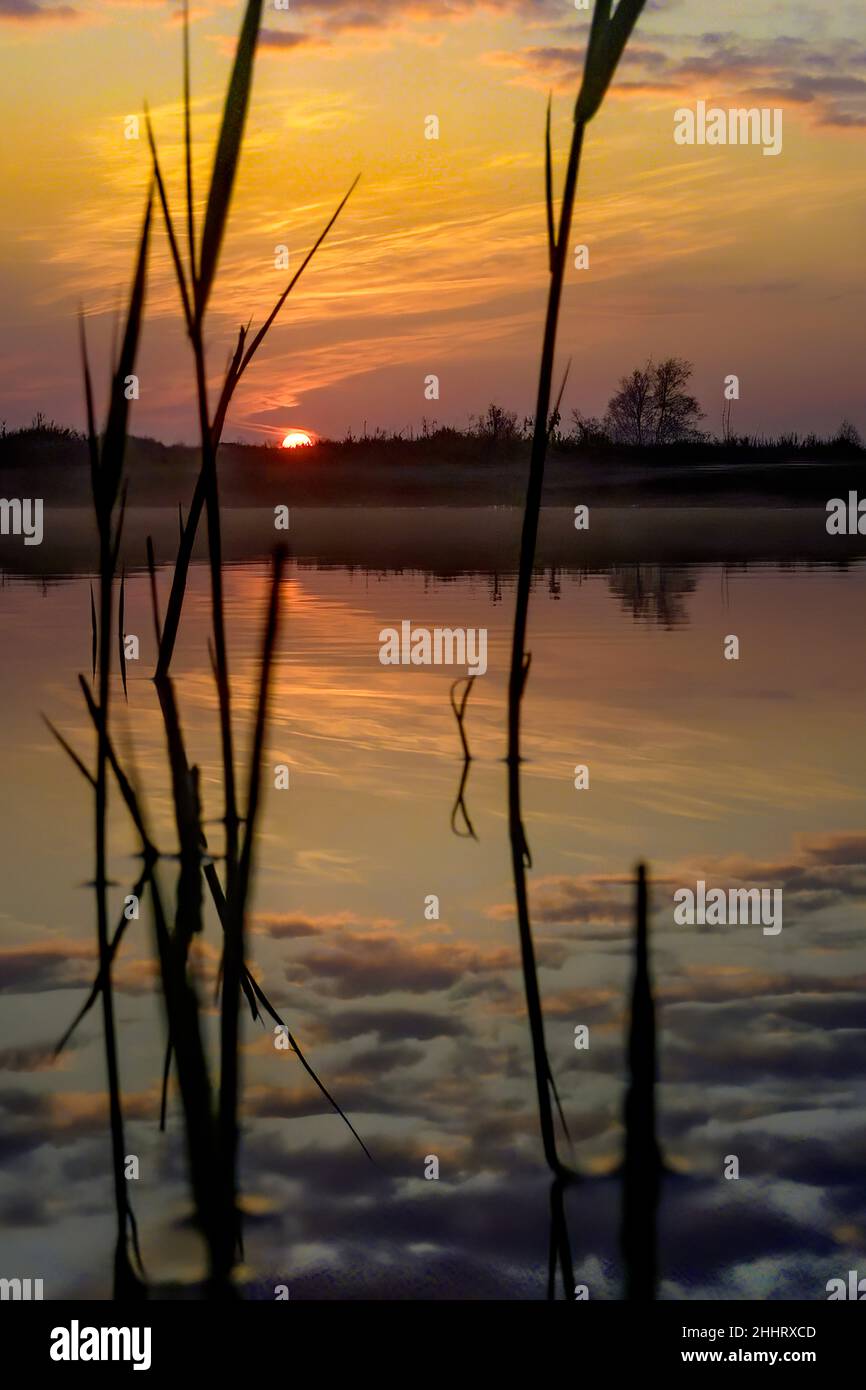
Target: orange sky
743,264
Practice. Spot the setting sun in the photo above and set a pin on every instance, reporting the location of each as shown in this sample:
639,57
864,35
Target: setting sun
297,439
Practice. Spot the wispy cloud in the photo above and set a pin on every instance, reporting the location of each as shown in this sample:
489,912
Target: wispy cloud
822,871
828,76
29,12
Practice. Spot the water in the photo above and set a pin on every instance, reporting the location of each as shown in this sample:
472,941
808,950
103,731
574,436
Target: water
731,771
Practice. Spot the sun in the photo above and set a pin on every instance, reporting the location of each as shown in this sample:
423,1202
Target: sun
297,439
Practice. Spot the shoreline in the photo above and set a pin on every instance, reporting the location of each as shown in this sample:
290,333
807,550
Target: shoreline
451,541
426,473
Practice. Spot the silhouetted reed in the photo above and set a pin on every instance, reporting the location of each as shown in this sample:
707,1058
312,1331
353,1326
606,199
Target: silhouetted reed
106,468
459,808
195,284
210,1116
607,39
642,1169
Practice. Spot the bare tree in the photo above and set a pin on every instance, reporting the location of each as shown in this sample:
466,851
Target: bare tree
630,410
675,412
652,405
497,425
848,433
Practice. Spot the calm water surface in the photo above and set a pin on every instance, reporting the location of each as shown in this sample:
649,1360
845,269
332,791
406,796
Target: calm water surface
748,772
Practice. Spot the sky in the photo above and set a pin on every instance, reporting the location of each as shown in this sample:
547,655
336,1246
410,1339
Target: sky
741,263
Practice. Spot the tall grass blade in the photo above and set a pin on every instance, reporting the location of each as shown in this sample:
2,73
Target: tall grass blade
251,987
257,340
107,476
94,645
85,772
603,49
187,143
559,1109
548,189
607,39
92,441
95,988
169,225
559,1241
227,153
624,19
123,783
154,599
237,366
233,957
118,529
554,414
643,1168
121,639
114,440
182,1011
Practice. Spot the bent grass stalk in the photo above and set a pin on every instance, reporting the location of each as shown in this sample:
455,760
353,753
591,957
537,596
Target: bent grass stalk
459,808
